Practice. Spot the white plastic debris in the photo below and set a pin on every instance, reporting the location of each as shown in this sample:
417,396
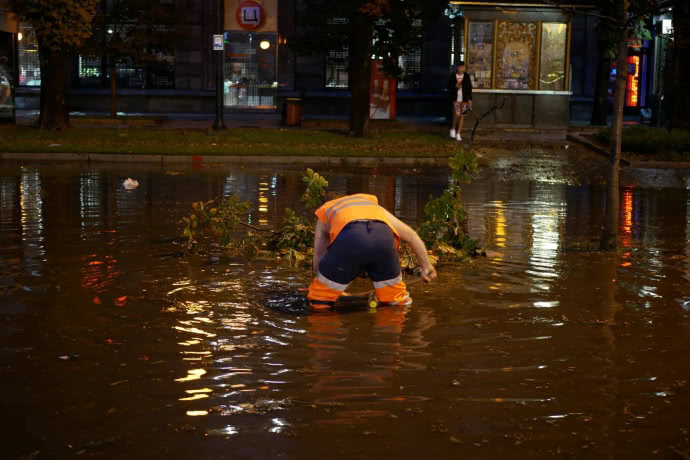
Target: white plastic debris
130,184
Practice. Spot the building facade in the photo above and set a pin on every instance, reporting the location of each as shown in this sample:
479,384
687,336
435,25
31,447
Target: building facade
535,61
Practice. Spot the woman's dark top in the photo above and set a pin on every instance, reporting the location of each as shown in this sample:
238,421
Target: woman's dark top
466,88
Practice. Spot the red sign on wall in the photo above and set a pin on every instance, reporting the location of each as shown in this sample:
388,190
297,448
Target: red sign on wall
633,83
383,91
250,15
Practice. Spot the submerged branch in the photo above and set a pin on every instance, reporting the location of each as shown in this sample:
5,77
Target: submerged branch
258,229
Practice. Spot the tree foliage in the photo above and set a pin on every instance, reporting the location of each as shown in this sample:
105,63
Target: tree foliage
442,228
293,238
61,27
316,189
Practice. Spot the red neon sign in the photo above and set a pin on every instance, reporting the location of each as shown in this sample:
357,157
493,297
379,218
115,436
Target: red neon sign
633,84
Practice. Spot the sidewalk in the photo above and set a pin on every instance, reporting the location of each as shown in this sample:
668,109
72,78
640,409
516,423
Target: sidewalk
273,120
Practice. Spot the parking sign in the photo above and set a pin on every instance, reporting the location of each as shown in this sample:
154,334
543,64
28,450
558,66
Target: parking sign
218,43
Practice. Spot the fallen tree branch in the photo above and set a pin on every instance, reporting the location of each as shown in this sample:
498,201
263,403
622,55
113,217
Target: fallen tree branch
478,119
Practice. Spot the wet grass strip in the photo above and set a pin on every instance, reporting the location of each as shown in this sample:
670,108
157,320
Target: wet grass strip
236,141
654,143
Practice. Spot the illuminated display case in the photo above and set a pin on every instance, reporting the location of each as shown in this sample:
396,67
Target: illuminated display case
516,55
480,53
554,43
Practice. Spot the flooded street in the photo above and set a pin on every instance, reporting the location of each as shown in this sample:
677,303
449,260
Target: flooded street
113,345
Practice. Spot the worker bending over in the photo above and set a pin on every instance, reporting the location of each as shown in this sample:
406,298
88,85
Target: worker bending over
355,234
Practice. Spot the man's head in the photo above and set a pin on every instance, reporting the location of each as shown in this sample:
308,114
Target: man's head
460,68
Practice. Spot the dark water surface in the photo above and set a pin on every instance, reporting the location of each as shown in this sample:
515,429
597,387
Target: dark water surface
113,345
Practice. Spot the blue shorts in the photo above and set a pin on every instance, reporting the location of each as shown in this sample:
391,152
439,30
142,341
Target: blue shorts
362,246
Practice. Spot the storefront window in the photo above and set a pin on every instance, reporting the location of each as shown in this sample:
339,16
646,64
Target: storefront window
480,53
411,66
411,63
250,70
516,58
554,38
336,68
29,64
90,71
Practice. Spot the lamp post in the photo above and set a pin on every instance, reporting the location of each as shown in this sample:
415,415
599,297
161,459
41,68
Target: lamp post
219,51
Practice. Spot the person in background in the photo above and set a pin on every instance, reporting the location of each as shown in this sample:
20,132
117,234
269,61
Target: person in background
354,234
460,97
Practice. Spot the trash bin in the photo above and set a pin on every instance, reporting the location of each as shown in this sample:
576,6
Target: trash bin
293,109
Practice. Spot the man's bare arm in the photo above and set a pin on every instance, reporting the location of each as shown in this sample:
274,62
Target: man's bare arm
408,235
321,240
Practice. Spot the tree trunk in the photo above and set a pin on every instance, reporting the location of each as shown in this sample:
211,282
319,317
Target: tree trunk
609,234
54,70
360,74
113,89
680,117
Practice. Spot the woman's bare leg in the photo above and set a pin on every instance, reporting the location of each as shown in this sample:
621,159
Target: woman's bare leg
456,119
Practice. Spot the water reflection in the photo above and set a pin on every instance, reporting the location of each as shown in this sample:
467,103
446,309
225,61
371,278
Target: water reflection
546,233
507,351
31,218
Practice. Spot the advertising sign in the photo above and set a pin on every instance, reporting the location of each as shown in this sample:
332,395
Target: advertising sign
383,93
251,15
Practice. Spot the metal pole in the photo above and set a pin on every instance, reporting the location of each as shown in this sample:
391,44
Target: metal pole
219,123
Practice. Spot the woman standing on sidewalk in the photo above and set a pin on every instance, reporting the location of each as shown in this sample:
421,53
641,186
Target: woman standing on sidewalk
460,96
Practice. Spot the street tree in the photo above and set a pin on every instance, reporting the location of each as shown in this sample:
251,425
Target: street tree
630,19
132,31
621,20
61,27
609,233
386,29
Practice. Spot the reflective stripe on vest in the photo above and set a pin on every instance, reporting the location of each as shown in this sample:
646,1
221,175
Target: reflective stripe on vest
334,211
336,214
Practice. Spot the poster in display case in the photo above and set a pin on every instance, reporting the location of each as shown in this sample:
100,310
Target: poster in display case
480,44
516,55
554,41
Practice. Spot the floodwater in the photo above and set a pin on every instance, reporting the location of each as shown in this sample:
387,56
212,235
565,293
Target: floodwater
113,345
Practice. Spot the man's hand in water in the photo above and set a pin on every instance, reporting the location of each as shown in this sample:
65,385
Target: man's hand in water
428,273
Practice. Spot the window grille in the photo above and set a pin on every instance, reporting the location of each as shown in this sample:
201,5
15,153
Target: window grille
457,42
411,65
337,68
90,71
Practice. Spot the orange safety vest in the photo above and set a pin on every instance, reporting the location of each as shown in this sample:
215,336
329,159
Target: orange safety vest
336,214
